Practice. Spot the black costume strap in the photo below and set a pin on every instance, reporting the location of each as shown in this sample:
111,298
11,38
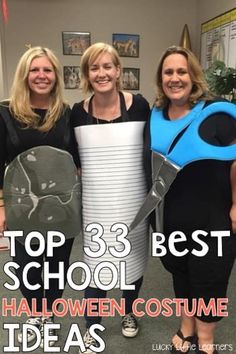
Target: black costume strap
4,111
124,113
123,110
67,135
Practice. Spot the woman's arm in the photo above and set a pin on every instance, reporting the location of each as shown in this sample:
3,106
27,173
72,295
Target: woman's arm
2,214
233,185
3,153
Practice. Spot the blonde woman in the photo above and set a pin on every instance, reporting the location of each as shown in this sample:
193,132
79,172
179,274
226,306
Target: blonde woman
109,131
34,124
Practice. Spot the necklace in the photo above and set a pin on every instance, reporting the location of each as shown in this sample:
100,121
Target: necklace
107,114
107,121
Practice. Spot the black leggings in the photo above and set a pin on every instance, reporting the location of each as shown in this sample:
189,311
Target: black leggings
60,254
201,277
128,295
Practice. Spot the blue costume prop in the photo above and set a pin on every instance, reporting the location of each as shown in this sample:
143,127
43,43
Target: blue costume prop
190,147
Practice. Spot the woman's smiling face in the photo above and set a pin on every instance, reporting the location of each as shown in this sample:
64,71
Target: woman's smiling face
41,77
176,80
103,74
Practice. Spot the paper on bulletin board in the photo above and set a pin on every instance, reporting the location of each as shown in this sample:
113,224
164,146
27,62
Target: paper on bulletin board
218,40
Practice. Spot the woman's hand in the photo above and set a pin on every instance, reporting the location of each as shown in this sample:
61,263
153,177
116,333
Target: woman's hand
233,217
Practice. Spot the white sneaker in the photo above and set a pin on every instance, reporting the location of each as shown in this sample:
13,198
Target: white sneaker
129,325
31,335
51,332
88,341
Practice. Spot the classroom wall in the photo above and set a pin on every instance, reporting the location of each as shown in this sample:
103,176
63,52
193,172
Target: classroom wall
3,71
40,22
208,9
158,22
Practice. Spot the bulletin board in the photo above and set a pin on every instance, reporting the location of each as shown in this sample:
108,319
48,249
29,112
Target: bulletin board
218,40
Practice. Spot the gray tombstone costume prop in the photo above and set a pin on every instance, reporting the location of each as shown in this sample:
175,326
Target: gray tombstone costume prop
42,191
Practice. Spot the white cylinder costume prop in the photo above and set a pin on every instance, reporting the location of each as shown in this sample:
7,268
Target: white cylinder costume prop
113,189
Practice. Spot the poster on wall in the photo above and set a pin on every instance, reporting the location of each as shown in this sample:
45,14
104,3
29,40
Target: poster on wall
130,78
71,77
127,45
218,40
75,43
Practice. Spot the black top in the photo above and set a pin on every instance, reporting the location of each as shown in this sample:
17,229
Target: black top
200,196
138,111
61,136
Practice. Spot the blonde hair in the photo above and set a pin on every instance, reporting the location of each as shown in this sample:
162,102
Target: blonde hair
200,89
89,56
20,105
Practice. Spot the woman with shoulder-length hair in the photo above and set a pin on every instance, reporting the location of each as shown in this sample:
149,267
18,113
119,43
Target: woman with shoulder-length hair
109,129
202,196
39,185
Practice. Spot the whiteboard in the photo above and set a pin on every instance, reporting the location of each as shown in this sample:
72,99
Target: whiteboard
218,40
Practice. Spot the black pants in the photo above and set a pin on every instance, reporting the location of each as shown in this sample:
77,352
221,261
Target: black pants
60,254
201,277
128,295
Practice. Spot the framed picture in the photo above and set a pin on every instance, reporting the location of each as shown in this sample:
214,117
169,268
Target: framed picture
71,77
127,45
75,43
130,78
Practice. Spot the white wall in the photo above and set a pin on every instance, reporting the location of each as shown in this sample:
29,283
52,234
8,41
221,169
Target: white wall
3,80
158,22
208,9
